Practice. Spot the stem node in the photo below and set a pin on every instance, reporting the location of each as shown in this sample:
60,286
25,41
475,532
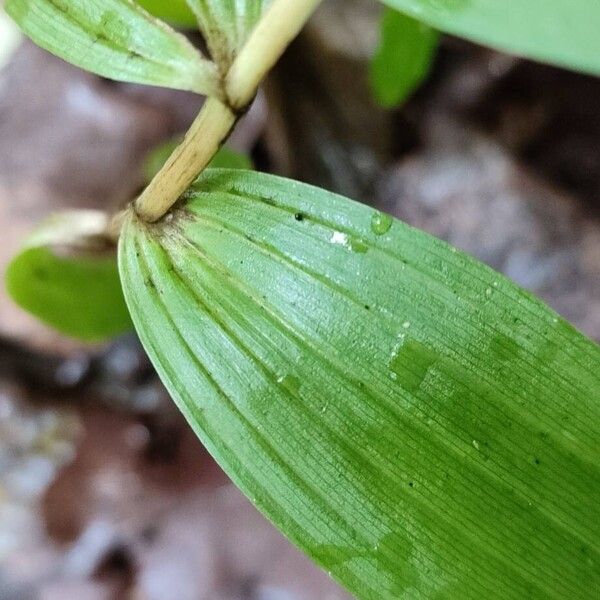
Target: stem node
280,24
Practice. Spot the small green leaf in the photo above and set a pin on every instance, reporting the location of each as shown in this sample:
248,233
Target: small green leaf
68,278
561,32
224,159
415,422
403,60
115,39
175,12
226,25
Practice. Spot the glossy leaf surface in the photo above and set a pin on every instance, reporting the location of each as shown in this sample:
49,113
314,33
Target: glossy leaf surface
227,24
562,32
415,422
68,278
403,59
116,39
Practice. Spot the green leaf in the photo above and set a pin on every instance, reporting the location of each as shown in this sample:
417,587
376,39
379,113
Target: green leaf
224,159
68,278
403,59
415,422
561,32
226,25
175,12
115,39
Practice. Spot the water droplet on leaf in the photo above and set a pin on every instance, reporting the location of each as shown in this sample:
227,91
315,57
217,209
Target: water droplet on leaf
290,382
339,238
357,245
381,223
410,362
351,243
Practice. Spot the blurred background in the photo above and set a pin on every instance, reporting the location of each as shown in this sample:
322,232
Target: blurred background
104,491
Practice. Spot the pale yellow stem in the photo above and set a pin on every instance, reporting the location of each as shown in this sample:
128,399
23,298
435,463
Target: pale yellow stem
280,24
201,143
277,28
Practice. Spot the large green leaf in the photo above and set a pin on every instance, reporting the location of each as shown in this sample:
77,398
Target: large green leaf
115,39
227,24
67,276
403,59
563,32
415,422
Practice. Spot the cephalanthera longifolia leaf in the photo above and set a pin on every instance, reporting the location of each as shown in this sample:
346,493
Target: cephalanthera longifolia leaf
227,24
563,32
115,39
67,276
415,422
402,61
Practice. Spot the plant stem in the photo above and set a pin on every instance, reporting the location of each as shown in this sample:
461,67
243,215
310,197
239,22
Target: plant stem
280,24
210,129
